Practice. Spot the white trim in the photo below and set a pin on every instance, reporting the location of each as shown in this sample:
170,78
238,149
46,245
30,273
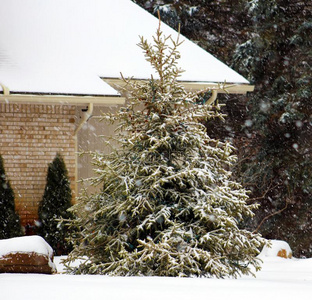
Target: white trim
221,88
61,99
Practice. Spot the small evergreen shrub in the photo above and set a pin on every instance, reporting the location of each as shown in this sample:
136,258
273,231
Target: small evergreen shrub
168,205
9,220
54,207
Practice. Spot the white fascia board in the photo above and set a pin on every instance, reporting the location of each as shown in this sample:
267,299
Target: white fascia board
228,88
223,88
62,99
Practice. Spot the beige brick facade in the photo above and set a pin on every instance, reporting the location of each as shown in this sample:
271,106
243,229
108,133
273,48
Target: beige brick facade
30,137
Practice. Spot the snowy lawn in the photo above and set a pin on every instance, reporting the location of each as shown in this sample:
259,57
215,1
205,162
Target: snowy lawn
279,279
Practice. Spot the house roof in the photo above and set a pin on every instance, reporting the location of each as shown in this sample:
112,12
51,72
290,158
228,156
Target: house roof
67,47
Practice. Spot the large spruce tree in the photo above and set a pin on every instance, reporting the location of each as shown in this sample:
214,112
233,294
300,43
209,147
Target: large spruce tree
53,207
9,220
167,204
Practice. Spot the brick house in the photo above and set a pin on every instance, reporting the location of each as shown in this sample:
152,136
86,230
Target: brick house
60,64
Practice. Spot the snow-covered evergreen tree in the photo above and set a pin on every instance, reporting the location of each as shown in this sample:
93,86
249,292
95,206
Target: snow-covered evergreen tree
53,207
10,225
167,204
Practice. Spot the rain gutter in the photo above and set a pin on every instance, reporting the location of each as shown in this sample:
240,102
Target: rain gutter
8,97
215,88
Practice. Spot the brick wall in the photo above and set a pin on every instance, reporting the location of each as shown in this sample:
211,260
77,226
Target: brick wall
30,137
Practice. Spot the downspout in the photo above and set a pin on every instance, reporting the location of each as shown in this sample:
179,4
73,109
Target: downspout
86,116
5,89
213,97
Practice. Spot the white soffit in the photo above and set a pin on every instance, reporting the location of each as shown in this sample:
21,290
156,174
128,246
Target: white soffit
65,46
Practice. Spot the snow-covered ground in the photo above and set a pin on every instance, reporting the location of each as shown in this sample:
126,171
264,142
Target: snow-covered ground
285,279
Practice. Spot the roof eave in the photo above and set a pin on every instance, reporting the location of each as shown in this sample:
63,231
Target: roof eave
61,99
118,84
229,88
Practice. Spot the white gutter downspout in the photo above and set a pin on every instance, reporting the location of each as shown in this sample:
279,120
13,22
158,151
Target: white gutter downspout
213,97
86,116
5,89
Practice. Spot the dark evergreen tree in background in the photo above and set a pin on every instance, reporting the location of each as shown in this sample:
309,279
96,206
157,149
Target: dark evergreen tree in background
269,42
277,164
216,26
9,220
53,207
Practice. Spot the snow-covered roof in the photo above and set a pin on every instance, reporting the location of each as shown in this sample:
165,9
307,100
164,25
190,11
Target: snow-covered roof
66,46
